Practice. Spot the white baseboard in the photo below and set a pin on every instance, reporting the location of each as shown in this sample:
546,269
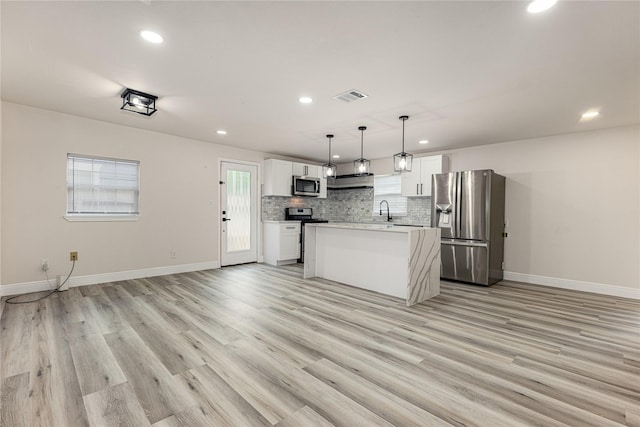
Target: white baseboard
43,285
597,288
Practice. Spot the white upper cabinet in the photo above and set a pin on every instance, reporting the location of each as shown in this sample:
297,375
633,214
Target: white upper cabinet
417,183
303,169
278,176
323,187
410,181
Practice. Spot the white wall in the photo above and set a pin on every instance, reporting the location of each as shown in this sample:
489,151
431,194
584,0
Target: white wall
572,206
179,197
1,104
572,201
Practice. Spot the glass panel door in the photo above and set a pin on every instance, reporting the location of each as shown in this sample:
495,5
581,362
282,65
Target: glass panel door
239,213
239,208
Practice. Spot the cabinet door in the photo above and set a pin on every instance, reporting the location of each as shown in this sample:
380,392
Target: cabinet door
299,169
429,166
289,242
410,181
277,178
302,169
323,188
314,171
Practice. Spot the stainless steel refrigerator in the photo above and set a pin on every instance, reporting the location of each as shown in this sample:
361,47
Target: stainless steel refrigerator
468,207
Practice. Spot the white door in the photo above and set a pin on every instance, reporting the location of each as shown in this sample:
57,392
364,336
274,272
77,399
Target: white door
239,213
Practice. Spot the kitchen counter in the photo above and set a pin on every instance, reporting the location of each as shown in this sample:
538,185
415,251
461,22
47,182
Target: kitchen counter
396,260
377,226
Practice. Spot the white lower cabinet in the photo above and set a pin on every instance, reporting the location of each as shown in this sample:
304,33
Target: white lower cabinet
281,242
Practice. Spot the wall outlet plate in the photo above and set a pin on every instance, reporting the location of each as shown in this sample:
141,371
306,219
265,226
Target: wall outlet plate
73,256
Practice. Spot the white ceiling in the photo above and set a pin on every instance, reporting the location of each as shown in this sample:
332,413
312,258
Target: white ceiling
467,73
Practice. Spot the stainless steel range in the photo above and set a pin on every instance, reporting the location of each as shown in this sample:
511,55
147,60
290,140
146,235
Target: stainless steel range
305,216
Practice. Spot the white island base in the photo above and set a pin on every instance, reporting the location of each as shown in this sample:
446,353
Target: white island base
403,262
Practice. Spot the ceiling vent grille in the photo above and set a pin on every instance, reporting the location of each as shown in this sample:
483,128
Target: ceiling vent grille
350,95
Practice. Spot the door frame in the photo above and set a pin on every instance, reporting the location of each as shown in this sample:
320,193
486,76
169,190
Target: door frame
218,216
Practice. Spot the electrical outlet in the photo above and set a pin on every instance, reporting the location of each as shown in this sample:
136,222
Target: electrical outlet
73,256
173,254
45,265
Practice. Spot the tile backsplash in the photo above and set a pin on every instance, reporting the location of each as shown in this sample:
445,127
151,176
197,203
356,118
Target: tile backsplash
353,205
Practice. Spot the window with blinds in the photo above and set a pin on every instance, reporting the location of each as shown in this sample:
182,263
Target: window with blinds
387,187
99,186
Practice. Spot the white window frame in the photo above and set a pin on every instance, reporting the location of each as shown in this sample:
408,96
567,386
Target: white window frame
397,202
96,215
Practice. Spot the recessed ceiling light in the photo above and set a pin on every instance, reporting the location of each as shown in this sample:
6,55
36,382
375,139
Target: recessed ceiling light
424,141
151,37
590,115
537,6
221,132
336,156
305,100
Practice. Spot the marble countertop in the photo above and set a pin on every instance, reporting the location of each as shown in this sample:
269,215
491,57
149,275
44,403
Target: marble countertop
281,222
393,228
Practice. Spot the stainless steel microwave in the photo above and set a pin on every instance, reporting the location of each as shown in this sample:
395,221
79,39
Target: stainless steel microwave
306,186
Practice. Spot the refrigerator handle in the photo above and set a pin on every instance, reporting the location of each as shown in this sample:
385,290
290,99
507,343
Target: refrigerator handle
457,198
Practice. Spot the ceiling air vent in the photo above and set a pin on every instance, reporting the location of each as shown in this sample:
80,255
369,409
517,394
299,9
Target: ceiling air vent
350,95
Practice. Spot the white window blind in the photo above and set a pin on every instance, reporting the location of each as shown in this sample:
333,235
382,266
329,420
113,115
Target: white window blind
102,186
387,187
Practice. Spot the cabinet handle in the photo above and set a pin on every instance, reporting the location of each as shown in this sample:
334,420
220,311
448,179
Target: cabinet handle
290,228
417,191
421,192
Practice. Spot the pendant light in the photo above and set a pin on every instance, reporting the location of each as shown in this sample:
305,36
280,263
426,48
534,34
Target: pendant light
361,165
329,169
402,161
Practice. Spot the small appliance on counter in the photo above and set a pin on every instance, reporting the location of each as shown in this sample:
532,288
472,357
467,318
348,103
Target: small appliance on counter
468,207
305,216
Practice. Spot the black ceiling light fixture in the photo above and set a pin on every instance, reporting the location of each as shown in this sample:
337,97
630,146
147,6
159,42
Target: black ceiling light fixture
402,161
361,165
329,170
138,102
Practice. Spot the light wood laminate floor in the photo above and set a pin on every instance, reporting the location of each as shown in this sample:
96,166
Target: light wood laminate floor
254,345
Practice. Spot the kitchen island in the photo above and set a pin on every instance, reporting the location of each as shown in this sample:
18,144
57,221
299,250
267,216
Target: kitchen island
394,260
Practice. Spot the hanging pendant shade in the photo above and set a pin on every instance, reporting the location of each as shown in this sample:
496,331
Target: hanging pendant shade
402,161
361,166
329,170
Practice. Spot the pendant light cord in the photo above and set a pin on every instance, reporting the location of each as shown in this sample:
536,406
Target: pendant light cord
403,120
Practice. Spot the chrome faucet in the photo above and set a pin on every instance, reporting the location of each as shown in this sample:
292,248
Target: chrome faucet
388,217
